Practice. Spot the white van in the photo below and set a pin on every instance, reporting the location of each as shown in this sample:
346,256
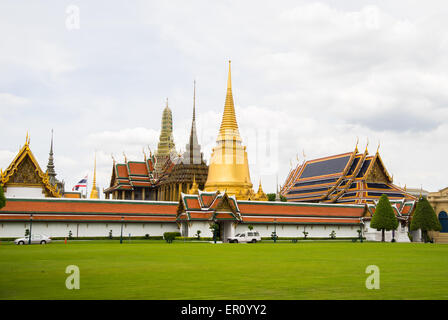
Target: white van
245,237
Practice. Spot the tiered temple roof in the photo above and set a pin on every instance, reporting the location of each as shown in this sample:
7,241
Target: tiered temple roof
212,206
24,171
351,177
126,176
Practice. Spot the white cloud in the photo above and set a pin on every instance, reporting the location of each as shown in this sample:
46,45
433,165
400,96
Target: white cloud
317,74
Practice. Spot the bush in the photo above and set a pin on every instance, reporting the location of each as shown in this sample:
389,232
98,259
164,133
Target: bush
384,217
147,236
193,238
333,235
2,198
70,234
27,232
170,236
110,234
425,218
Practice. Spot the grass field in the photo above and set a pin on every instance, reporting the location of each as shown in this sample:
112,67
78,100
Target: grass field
157,270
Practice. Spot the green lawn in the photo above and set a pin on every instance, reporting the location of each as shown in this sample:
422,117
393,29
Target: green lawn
157,270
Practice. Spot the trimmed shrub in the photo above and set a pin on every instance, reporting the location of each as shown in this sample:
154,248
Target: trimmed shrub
425,218
384,217
170,236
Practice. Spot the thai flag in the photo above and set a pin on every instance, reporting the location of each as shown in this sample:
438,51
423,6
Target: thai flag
81,184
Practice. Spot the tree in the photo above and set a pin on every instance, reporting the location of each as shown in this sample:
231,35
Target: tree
250,227
271,196
198,234
333,234
214,228
384,217
2,198
425,218
27,232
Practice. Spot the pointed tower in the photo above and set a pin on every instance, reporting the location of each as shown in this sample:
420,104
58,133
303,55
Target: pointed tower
50,166
229,168
166,140
193,154
94,192
260,195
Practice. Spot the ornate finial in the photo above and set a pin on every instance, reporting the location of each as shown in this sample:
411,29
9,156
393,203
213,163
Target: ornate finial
150,152
303,153
357,141
405,187
125,159
367,145
378,148
144,154
27,139
194,100
392,178
167,102
113,159
297,157
229,79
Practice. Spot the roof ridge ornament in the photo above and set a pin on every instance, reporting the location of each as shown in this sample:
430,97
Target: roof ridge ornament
27,139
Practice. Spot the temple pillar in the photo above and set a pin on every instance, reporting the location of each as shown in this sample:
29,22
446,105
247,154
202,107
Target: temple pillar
122,195
132,195
143,194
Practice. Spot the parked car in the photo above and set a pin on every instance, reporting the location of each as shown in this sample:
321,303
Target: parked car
35,238
245,237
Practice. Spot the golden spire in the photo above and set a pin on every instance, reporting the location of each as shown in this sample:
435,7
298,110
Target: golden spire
229,167
94,192
194,187
229,126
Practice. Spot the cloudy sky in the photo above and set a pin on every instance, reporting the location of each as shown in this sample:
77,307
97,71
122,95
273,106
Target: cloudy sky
308,78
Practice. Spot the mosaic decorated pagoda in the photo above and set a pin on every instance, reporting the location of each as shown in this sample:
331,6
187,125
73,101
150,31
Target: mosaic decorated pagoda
164,175
186,173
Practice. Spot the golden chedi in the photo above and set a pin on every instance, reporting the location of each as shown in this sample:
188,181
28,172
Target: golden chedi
229,169
94,192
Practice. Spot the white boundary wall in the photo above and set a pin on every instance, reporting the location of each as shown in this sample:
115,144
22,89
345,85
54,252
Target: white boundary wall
101,229
83,229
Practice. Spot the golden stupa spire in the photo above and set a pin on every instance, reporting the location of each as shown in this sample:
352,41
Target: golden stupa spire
94,192
229,126
229,167
194,187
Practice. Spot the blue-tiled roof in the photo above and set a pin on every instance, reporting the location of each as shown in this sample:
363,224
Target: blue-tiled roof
325,167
